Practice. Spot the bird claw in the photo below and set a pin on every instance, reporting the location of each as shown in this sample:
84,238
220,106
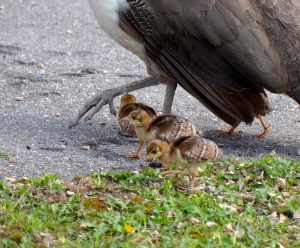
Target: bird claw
265,133
134,155
95,104
228,132
106,97
265,126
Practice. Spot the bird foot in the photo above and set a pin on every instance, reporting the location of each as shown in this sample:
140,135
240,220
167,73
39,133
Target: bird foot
172,173
265,126
107,96
186,189
134,155
96,103
265,133
228,132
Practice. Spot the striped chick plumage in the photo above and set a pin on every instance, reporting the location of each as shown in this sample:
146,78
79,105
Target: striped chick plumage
187,153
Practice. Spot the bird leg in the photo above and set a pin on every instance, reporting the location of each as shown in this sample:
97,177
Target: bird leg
193,176
137,154
265,126
173,173
230,131
106,97
169,96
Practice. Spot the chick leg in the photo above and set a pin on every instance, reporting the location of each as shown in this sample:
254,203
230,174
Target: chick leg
137,154
169,96
265,126
173,173
106,97
193,175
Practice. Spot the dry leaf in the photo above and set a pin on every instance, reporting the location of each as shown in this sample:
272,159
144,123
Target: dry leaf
211,223
86,148
19,98
280,182
41,66
296,215
70,193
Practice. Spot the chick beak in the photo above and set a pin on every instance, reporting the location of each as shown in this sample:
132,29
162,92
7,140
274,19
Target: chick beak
149,157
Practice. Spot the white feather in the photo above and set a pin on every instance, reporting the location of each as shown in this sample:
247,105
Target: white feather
106,12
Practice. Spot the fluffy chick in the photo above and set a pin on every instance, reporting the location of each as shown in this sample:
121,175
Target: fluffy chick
127,105
186,153
164,127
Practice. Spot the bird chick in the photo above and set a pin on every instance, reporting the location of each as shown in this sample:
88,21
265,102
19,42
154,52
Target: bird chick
164,127
127,105
186,153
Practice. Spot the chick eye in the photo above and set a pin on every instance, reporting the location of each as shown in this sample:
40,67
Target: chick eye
153,152
133,118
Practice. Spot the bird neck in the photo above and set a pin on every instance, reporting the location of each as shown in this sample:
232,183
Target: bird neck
141,132
142,129
146,122
165,159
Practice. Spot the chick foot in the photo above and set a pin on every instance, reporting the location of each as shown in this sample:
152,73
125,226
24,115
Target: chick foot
134,155
191,175
106,97
173,173
137,154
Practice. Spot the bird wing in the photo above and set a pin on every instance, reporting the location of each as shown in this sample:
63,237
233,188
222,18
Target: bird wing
170,127
195,149
229,31
283,18
218,50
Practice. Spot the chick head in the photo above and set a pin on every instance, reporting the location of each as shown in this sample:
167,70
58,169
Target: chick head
156,149
139,118
127,99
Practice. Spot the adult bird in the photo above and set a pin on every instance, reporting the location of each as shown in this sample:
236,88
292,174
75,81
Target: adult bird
223,52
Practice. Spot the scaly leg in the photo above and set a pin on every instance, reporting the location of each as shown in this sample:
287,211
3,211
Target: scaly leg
265,126
137,154
169,96
106,97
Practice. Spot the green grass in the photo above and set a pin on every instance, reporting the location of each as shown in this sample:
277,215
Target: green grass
5,155
236,204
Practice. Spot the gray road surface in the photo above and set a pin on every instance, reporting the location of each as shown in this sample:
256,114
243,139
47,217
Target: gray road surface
53,56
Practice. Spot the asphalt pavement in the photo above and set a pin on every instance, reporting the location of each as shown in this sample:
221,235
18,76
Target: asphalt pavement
53,57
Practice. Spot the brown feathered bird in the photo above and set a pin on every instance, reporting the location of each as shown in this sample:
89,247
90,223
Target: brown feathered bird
187,153
164,127
128,104
223,52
